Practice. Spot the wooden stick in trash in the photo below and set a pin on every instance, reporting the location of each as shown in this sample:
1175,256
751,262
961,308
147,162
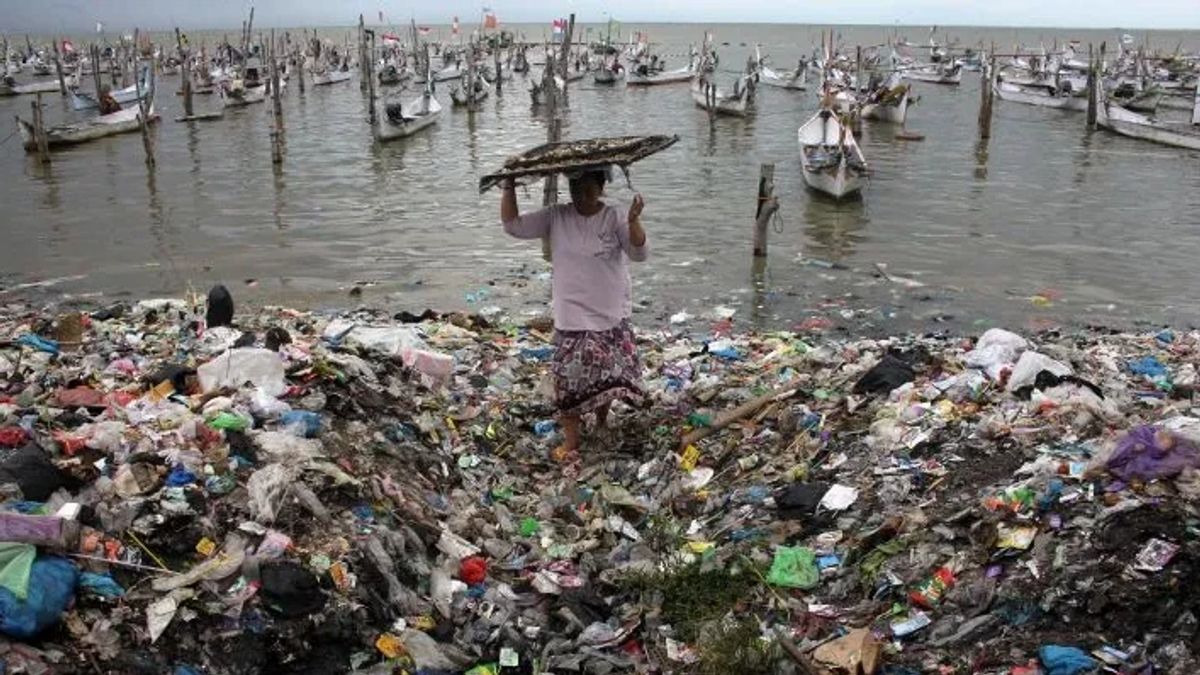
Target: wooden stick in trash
806,666
119,563
739,413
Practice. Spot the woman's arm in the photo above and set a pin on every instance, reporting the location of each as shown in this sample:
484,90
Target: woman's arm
635,238
529,226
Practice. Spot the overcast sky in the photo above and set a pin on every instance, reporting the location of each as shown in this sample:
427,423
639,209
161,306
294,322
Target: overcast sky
18,16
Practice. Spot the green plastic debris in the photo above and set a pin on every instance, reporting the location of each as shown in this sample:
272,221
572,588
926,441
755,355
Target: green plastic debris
229,422
697,420
502,494
16,562
529,527
794,567
485,669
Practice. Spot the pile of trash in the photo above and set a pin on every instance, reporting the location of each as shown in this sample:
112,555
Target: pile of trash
185,491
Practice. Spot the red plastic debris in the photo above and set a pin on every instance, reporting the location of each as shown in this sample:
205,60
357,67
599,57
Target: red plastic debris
473,570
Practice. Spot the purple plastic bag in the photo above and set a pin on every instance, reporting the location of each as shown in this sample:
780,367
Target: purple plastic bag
1149,453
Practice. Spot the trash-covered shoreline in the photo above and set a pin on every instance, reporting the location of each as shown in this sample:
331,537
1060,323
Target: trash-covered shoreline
296,492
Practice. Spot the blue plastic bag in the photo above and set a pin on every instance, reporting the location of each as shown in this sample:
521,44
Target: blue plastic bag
301,423
1059,660
51,588
1148,366
102,585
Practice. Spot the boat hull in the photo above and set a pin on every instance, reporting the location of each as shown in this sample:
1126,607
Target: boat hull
246,97
731,107
388,131
1027,97
896,114
839,184
331,77
122,122
634,80
1126,123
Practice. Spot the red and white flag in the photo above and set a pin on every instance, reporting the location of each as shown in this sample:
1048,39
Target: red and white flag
560,26
67,47
454,27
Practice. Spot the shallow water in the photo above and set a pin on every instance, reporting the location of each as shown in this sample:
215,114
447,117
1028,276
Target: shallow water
1104,227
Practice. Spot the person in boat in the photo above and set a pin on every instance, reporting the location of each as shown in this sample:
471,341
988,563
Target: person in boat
591,242
107,102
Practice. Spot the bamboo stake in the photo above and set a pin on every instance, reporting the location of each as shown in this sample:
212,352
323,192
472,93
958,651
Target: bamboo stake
144,108
566,59
370,66
986,96
767,206
39,131
62,83
277,132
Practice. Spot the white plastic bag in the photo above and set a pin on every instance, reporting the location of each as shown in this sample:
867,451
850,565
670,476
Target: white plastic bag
260,367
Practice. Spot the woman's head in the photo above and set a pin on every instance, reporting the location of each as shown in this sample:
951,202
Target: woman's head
587,186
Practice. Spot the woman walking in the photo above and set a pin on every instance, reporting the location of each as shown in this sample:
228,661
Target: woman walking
591,244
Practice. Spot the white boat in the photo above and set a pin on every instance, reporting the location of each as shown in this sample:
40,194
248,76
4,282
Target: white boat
449,73
401,120
331,76
936,73
608,74
459,96
1128,123
831,160
1041,96
796,80
84,101
640,76
237,94
9,86
121,122
889,105
739,103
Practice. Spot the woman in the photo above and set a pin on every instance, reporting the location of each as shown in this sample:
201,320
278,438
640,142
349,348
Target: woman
591,244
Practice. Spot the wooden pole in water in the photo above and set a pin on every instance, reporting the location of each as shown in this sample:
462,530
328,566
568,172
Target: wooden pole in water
95,53
362,55
565,66
371,78
496,67
185,79
144,103
277,131
1091,89
39,130
767,206
62,83
985,98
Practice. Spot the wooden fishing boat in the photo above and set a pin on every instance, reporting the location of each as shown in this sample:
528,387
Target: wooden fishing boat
889,104
84,101
1128,123
402,120
709,97
458,94
237,93
831,161
9,86
936,73
608,74
331,76
1046,97
796,80
42,68
392,74
641,76
121,122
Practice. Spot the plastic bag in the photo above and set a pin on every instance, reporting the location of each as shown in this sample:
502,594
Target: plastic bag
261,367
794,567
994,350
1029,365
51,588
1149,453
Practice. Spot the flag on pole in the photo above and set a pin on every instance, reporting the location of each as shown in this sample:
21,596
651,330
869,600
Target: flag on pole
68,47
454,27
560,27
490,21
99,27
381,16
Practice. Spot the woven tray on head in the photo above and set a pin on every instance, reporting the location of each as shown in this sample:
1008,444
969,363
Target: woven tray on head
587,153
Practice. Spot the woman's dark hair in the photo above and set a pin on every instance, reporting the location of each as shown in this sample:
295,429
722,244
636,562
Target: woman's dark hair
600,176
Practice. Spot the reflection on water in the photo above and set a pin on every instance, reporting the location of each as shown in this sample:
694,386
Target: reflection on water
834,228
984,226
